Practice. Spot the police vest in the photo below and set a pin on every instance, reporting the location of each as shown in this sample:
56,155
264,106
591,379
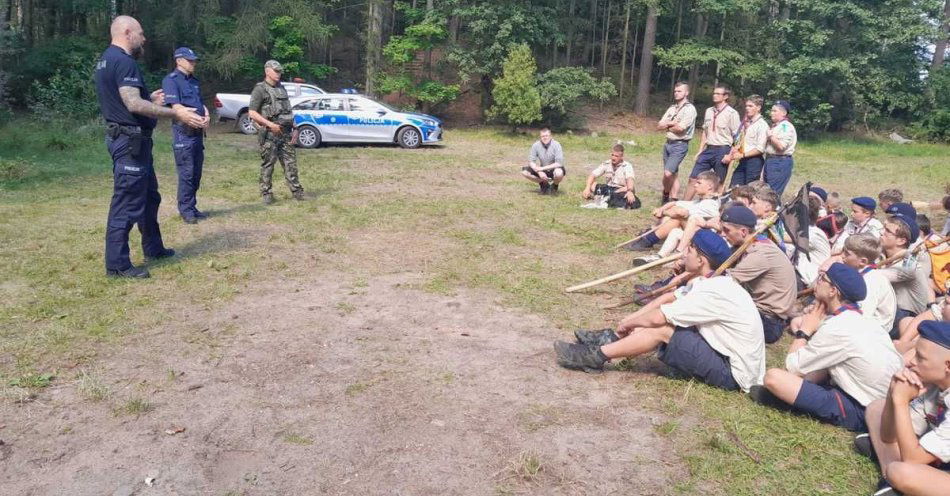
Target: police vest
276,106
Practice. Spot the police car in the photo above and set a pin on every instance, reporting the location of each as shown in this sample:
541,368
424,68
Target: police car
348,118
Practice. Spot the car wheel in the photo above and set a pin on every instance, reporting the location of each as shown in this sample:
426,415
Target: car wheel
409,137
308,137
245,124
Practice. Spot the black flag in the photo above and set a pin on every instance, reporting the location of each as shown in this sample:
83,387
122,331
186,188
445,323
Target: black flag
795,216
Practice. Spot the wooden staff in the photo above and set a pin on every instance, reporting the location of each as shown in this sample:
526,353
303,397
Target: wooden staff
634,240
626,273
675,283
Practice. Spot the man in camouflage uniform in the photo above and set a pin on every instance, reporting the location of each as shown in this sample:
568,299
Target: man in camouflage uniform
270,109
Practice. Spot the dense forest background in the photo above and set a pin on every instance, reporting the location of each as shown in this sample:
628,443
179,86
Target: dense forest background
844,64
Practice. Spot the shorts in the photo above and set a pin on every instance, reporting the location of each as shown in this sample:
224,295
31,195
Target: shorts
832,405
773,327
673,154
689,353
711,159
900,314
548,173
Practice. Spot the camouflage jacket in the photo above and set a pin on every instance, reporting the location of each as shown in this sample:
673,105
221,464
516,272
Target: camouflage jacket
272,102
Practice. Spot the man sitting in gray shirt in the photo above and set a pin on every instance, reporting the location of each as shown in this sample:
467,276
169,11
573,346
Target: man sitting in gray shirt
545,163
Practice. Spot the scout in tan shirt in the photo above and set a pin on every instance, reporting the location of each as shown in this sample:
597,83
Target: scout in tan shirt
780,147
720,125
751,147
619,190
763,270
679,122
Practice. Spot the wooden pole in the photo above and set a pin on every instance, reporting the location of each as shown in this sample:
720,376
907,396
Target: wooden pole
626,273
625,243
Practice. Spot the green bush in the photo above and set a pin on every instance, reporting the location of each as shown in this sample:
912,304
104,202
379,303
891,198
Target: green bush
563,89
934,122
517,100
69,92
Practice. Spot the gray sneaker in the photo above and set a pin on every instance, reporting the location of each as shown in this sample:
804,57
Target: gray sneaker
863,445
645,259
597,337
579,357
267,198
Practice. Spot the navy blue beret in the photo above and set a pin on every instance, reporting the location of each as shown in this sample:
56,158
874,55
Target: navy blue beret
865,202
848,281
938,332
820,192
784,104
911,224
739,215
712,246
905,209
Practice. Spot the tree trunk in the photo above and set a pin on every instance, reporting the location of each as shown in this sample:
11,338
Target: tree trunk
570,34
374,43
603,47
722,36
623,47
642,105
593,33
940,50
636,45
700,32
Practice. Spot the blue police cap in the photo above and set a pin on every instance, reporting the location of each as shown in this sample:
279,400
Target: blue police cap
739,215
848,281
911,224
186,53
820,192
905,209
865,202
938,332
784,104
712,246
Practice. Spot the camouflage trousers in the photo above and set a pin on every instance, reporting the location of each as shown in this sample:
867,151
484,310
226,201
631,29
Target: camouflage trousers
272,150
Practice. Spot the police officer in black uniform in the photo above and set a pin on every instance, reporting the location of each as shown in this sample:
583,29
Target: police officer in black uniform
181,88
130,113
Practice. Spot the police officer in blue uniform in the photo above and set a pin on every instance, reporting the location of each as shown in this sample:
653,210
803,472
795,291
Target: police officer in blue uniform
181,88
130,112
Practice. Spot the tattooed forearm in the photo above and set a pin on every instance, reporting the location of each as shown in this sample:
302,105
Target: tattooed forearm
137,105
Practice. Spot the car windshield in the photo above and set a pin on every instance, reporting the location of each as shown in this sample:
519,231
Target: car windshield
310,90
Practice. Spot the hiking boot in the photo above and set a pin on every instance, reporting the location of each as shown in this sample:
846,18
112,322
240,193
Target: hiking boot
554,188
298,195
189,219
132,272
200,215
862,444
545,187
645,260
165,253
267,198
596,338
646,288
639,245
579,357
665,199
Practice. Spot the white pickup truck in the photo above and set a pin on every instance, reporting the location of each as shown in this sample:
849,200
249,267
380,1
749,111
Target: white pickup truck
233,106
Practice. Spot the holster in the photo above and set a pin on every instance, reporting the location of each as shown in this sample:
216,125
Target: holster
136,137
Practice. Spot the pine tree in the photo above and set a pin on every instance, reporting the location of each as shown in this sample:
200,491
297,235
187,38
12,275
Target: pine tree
517,100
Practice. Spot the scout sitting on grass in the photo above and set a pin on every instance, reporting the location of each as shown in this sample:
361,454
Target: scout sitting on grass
619,191
862,221
708,329
833,345
908,430
860,252
674,215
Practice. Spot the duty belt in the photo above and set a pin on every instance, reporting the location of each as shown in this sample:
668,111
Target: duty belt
113,130
189,131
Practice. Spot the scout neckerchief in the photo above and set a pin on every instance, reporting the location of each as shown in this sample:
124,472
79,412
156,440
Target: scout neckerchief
746,123
716,114
868,268
679,108
938,417
845,307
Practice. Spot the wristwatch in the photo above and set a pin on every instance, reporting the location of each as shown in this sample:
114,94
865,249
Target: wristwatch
799,334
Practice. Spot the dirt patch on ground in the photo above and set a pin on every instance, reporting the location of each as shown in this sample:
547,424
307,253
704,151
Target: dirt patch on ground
338,385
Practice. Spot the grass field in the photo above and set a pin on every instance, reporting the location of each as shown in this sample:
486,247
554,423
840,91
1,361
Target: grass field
459,215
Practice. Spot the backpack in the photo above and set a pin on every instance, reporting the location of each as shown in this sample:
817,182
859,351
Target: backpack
940,262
